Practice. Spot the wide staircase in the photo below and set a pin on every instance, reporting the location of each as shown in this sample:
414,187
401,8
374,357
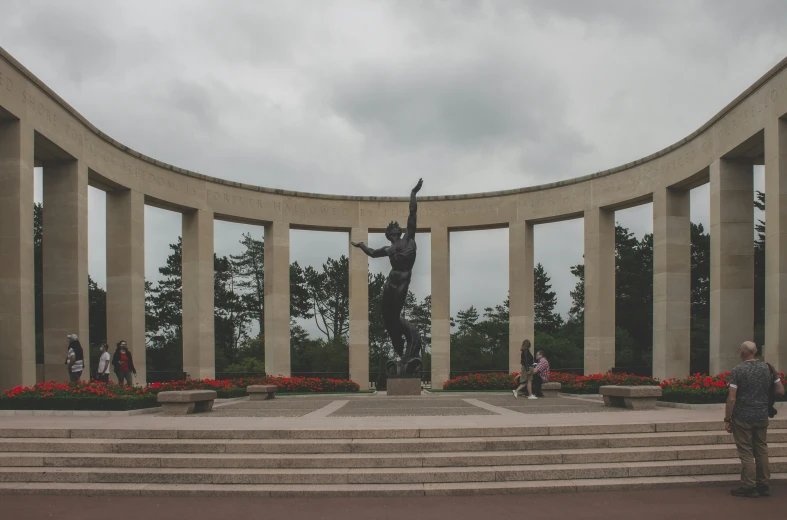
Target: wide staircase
373,462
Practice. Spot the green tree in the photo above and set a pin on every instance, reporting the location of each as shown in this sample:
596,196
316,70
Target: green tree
546,319
329,292
38,273
700,300
759,273
164,315
250,278
231,317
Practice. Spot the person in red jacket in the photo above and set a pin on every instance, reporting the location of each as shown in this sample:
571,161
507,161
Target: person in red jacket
124,364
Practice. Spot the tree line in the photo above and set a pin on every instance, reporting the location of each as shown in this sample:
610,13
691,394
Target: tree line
479,339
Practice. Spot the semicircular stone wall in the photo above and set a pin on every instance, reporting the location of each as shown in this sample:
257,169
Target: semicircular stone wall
38,128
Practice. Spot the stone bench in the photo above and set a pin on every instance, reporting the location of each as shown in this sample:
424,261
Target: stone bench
550,389
183,402
261,392
631,397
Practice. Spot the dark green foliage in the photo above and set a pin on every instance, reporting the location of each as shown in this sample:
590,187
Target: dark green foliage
545,300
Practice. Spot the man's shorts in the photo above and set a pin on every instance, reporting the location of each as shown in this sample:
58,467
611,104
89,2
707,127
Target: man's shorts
525,376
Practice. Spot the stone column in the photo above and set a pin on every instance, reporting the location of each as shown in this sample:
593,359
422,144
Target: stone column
277,299
126,275
359,310
65,265
776,243
599,290
671,283
199,355
731,261
17,297
520,291
441,307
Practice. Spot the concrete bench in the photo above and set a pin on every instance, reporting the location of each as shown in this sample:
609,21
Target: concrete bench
261,392
550,389
631,397
183,402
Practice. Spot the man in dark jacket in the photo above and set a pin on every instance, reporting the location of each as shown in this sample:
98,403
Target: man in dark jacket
124,364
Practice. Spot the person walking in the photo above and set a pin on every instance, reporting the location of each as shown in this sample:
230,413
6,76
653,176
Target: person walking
540,373
75,358
104,362
746,416
124,364
526,377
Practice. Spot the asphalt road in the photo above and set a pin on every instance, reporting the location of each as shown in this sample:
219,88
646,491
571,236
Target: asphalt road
687,503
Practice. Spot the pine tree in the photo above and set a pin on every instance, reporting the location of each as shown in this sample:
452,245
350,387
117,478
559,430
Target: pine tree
546,319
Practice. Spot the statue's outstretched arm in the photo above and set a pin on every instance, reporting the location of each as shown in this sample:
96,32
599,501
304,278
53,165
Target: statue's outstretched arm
412,219
374,253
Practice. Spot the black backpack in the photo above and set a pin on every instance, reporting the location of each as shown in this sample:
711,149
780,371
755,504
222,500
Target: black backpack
772,392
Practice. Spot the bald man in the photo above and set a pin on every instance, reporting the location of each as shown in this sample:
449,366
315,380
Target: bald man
746,417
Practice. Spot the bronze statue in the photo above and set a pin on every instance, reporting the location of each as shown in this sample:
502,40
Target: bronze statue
405,337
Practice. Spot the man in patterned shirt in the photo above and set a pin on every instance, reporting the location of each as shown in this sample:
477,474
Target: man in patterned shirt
540,373
746,417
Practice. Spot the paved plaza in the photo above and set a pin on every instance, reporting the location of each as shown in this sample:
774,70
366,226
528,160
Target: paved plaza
428,405
369,411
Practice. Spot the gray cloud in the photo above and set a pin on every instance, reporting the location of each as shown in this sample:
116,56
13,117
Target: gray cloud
363,98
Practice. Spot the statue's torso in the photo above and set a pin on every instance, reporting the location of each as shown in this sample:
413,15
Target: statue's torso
402,254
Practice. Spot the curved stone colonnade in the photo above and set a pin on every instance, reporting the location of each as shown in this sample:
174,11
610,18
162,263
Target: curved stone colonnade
38,128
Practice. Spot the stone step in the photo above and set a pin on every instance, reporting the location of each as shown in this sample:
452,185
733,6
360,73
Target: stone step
382,475
453,444
368,433
375,460
376,490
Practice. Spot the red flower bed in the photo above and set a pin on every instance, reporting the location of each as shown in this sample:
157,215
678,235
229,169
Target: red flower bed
699,388
237,387
590,384
81,395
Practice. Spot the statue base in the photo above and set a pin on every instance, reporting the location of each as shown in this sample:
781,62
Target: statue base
403,386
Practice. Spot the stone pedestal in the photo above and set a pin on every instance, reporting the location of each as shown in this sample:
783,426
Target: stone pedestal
261,392
404,386
550,389
631,397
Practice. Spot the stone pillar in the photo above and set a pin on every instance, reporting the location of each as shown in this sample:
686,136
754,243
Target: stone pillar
65,265
599,290
126,275
17,296
520,291
277,299
359,310
731,262
776,243
199,355
441,307
671,283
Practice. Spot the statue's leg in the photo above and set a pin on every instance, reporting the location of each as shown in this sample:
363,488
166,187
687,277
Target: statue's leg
391,311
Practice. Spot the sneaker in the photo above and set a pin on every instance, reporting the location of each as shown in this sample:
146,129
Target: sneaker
745,492
532,397
515,394
764,491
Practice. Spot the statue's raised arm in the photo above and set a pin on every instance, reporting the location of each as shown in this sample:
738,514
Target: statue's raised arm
412,219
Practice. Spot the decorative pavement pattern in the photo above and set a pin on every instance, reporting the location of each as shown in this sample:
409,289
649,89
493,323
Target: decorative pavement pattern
428,405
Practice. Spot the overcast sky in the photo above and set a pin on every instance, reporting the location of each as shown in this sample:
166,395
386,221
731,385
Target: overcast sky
365,97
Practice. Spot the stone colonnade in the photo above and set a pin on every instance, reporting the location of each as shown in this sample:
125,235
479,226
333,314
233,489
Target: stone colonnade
38,128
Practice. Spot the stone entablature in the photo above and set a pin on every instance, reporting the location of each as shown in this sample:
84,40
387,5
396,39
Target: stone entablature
37,127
